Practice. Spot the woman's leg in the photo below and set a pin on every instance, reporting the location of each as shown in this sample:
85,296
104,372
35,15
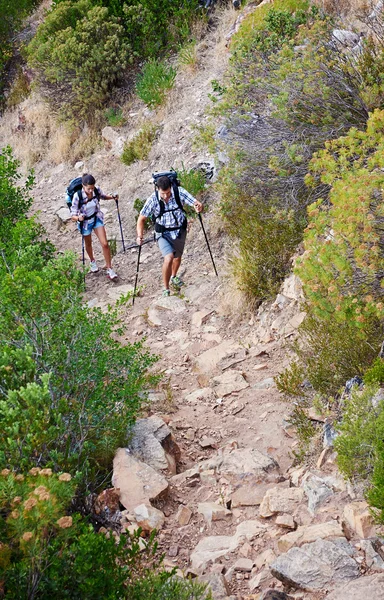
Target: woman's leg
88,246
102,236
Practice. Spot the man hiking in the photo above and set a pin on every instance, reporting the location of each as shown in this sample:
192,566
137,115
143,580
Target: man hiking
170,227
86,211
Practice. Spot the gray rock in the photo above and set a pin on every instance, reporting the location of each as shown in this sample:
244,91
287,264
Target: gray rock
212,547
316,566
371,587
374,554
345,37
240,462
173,303
317,492
151,442
265,384
217,585
63,214
229,382
137,482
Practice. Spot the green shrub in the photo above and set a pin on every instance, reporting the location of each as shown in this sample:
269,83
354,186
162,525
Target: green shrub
360,446
69,388
188,55
46,552
155,80
193,180
115,117
375,374
76,73
140,146
303,89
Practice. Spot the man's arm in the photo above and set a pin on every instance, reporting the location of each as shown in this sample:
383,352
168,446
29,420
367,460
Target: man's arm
187,198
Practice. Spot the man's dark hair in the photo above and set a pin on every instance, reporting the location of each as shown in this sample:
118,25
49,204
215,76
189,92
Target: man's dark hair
163,183
88,179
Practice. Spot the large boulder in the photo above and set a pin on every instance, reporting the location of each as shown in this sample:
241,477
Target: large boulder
371,587
138,483
317,566
308,534
151,441
240,462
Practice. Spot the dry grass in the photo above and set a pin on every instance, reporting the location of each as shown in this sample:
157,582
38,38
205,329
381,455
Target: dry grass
34,134
352,8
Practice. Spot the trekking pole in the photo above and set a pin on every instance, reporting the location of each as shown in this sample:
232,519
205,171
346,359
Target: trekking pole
137,276
121,227
82,249
206,239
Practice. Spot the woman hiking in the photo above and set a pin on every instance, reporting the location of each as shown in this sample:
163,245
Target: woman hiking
86,211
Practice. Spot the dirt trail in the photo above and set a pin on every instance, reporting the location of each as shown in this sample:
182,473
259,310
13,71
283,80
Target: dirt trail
218,387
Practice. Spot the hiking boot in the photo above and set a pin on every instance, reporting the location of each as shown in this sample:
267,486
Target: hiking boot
111,274
166,293
177,282
93,266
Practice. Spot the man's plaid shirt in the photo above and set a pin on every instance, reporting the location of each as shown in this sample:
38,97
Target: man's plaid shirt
169,219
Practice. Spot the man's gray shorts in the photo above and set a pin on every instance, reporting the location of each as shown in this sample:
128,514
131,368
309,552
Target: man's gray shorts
169,246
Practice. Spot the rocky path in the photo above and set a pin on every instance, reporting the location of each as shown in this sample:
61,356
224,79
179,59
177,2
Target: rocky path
221,488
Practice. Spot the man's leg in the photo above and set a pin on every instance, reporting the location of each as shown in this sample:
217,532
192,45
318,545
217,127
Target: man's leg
176,265
167,270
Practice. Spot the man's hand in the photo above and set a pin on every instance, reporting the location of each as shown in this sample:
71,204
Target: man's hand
80,218
139,240
198,206
115,197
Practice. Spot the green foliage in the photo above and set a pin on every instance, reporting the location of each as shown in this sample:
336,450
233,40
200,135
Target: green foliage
69,389
14,200
155,80
193,180
80,53
115,117
342,267
140,146
304,89
188,55
45,553
375,374
84,49
360,446
12,16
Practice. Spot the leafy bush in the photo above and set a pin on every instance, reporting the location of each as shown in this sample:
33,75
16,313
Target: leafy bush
69,388
303,88
342,267
140,146
12,16
77,73
155,80
84,49
45,552
360,446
